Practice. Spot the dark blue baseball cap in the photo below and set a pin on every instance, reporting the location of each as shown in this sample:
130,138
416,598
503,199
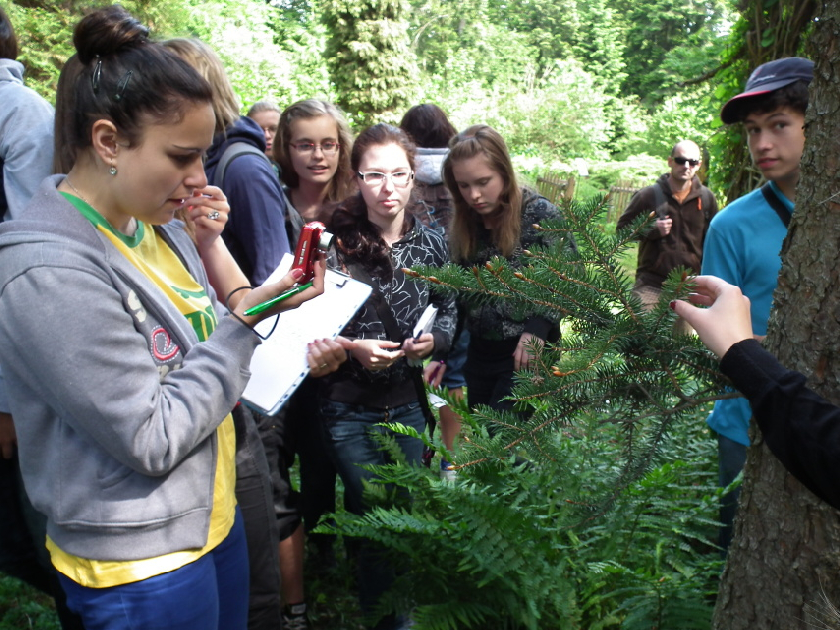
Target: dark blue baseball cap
769,77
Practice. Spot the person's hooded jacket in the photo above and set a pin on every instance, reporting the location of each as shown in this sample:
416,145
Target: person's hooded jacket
255,232
116,403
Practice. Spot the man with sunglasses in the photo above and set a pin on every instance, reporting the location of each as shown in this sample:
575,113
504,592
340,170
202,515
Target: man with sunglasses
683,209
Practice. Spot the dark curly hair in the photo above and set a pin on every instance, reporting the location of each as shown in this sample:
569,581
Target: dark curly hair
793,96
357,238
428,125
8,39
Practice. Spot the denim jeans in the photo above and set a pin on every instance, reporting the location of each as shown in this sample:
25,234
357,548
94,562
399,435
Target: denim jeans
208,594
349,429
731,458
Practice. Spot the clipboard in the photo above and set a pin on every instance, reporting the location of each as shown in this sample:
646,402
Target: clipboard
279,364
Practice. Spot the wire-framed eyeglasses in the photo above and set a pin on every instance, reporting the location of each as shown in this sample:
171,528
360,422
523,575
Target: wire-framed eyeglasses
327,148
399,179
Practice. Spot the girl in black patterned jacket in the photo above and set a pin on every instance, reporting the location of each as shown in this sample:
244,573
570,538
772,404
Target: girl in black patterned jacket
375,239
493,217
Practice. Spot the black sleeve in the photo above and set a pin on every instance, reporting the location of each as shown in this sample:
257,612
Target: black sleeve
801,428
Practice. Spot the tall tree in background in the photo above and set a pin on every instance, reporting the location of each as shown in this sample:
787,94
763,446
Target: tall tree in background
654,29
786,553
260,64
600,44
369,59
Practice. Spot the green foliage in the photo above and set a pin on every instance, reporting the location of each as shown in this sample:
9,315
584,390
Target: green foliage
21,606
44,36
259,65
369,59
593,504
657,30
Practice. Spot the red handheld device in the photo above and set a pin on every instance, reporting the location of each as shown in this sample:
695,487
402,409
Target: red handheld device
313,238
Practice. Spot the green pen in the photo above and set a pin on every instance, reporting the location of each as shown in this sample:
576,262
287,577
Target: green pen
259,308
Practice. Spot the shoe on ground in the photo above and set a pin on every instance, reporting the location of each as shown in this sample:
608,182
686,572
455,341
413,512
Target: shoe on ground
294,617
447,472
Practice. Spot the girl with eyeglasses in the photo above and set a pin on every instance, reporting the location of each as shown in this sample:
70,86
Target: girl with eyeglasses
382,382
313,146
493,216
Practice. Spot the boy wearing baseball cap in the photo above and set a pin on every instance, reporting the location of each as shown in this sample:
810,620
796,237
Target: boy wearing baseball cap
744,240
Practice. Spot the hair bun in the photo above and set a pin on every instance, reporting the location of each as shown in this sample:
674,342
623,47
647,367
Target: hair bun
107,31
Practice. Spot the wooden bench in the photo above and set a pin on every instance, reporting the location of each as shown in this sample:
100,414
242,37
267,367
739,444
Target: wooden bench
556,187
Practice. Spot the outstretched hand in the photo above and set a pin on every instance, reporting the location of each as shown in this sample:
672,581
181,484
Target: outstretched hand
727,320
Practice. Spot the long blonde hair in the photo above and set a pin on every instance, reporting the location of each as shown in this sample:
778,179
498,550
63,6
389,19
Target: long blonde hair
201,57
463,230
341,185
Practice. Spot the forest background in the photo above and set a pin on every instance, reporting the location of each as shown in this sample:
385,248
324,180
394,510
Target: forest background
602,88
615,525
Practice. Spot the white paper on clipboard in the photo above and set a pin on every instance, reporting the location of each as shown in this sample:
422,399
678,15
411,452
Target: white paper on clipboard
423,326
279,364
426,321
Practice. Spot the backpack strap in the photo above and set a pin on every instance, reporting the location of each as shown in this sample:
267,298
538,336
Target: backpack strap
661,202
706,200
232,152
294,221
776,203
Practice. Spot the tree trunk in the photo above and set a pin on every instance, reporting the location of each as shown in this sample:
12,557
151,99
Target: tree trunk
786,550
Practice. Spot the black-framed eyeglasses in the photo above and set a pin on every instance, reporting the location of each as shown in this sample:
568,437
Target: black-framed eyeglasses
399,179
681,161
327,148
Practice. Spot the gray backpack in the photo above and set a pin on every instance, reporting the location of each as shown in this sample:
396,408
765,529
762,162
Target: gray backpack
294,222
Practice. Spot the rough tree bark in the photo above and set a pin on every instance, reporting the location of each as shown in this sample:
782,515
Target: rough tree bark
786,550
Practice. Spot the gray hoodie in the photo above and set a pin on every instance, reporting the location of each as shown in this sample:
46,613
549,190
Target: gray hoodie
115,402
428,165
26,137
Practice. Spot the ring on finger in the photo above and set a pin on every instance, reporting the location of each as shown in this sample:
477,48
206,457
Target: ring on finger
213,216
322,366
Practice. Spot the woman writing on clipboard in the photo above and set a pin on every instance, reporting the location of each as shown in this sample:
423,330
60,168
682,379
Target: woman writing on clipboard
123,365
375,239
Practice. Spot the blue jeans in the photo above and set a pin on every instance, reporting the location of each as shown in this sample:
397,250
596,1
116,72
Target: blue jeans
349,429
454,375
731,458
208,594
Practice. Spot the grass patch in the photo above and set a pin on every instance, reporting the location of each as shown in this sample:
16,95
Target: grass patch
22,606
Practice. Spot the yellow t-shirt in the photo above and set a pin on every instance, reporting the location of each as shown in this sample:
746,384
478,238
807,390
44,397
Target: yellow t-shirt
150,254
